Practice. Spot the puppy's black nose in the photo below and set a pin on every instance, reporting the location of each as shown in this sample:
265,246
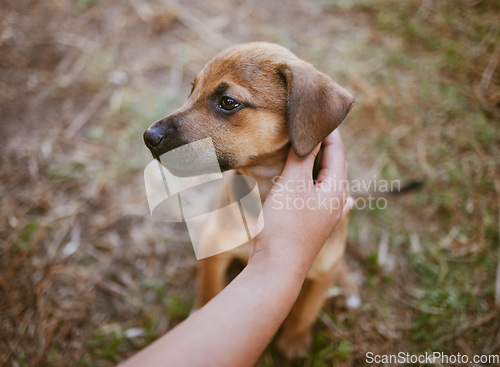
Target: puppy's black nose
151,138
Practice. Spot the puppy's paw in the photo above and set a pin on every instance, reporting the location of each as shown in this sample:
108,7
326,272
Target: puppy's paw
294,345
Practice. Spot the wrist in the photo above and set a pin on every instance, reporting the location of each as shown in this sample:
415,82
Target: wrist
282,258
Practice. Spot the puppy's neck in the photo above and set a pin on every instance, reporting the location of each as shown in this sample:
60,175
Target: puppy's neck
265,169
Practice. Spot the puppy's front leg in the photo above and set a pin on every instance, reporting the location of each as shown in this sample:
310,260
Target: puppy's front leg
211,278
296,335
219,235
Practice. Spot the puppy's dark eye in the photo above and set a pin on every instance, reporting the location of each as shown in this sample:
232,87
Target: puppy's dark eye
228,103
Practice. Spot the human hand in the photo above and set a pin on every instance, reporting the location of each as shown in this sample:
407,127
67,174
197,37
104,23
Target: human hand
299,213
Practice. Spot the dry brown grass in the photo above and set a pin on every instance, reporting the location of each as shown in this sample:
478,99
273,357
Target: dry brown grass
86,278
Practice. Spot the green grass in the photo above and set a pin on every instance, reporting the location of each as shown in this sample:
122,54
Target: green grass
23,242
83,5
66,171
116,346
449,298
440,60
327,353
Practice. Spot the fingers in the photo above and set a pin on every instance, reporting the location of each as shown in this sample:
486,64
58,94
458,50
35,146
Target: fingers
347,208
300,166
333,165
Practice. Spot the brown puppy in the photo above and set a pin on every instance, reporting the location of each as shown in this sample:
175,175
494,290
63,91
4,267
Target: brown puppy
255,101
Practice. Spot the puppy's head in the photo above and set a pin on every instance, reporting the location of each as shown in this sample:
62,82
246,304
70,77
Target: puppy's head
252,100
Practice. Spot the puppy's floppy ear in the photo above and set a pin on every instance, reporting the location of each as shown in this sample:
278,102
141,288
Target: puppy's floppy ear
316,105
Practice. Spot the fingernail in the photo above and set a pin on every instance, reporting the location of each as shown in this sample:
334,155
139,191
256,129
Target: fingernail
349,202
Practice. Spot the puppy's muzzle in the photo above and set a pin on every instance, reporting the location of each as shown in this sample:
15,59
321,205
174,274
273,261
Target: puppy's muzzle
162,136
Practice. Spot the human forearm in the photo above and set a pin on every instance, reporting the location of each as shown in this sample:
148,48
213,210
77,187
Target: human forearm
251,310
236,326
